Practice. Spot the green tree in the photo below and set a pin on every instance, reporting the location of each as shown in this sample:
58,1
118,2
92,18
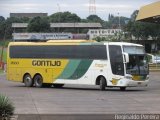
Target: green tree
134,15
7,26
155,33
2,19
2,27
142,30
115,21
64,17
139,30
39,24
94,18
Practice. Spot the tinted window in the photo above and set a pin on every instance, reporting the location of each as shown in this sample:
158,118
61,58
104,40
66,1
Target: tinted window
116,59
69,51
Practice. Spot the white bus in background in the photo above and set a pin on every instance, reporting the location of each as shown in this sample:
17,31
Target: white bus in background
110,64
153,58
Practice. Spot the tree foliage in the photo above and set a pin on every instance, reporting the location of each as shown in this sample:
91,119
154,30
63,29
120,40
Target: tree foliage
6,27
66,17
142,30
94,18
117,21
2,19
39,24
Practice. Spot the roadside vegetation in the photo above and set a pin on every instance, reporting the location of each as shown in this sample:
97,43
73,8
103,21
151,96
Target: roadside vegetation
6,107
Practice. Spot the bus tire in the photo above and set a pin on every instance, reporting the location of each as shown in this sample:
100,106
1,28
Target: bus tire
38,81
102,83
122,88
58,85
28,80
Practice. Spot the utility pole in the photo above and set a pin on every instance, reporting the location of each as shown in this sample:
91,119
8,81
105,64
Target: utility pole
119,27
119,21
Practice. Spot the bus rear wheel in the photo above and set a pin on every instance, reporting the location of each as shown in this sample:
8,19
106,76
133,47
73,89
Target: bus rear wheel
38,81
102,83
58,85
28,80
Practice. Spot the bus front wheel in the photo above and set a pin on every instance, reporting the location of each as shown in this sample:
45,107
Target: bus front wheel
28,80
102,83
38,81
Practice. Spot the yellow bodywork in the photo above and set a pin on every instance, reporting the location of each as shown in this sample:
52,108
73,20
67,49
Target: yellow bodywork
17,68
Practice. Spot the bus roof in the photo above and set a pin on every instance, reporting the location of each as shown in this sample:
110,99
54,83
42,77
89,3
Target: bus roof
73,42
124,43
70,41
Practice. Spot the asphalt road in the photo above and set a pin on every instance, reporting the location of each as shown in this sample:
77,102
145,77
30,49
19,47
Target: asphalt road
78,99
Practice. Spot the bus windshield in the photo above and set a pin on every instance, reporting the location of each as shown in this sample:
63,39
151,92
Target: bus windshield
137,60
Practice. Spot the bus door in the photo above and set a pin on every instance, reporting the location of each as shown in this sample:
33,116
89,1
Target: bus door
116,59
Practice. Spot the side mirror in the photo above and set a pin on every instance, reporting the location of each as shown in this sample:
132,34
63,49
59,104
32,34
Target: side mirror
126,57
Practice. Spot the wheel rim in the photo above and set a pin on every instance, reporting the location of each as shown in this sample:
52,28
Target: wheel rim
38,81
27,79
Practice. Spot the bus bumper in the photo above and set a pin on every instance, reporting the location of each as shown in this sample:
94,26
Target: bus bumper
132,83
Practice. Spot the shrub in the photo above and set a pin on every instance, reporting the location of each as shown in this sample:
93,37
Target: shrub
6,106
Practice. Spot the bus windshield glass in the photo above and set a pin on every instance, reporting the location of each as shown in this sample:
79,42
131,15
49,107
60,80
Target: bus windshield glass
137,60
134,49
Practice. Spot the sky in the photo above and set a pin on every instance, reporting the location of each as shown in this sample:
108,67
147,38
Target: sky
80,7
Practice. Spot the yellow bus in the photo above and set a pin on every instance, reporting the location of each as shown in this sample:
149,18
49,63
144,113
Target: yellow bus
108,64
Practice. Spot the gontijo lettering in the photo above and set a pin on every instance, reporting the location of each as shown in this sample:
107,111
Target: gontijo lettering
46,63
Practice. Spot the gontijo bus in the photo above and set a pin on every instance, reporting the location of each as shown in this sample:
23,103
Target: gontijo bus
110,64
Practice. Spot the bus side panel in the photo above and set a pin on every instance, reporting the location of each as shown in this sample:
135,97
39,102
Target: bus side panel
46,74
14,74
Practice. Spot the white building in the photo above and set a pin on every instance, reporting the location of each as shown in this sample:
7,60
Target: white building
93,33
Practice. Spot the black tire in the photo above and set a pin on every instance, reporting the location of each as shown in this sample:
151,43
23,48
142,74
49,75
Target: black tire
102,83
122,88
58,85
28,80
38,81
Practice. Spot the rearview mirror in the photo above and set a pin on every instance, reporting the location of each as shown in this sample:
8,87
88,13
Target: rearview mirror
126,57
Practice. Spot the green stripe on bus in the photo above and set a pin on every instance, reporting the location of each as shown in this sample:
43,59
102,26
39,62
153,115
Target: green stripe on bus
81,69
70,69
